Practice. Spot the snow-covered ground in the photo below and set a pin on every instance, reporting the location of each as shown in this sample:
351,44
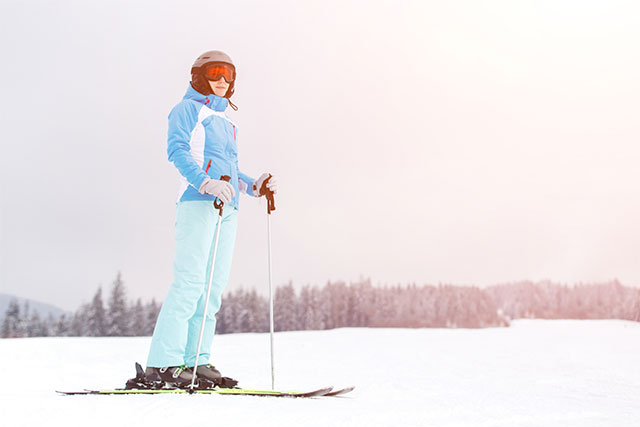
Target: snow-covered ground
535,373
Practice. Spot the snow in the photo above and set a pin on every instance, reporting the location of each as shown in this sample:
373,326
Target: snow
535,373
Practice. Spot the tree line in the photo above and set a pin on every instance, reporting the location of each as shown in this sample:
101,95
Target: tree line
337,305
114,318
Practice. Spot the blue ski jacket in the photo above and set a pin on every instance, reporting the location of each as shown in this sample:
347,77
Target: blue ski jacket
203,142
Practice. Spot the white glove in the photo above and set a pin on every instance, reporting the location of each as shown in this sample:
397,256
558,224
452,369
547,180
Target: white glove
221,189
272,184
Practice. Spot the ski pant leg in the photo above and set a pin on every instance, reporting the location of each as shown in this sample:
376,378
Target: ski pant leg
221,272
195,226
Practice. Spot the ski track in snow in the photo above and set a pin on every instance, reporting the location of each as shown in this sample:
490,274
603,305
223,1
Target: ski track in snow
535,373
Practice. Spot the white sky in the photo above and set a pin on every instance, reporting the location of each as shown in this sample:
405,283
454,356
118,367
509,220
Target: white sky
463,142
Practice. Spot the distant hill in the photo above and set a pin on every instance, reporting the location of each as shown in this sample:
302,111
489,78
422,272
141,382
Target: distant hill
42,308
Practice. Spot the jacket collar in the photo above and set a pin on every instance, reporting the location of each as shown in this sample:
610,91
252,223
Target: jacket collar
216,103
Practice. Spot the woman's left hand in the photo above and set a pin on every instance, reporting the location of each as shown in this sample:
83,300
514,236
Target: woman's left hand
272,184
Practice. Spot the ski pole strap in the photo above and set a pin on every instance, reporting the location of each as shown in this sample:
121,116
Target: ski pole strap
217,203
271,203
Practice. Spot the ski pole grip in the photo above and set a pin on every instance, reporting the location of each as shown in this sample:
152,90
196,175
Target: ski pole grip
271,203
217,203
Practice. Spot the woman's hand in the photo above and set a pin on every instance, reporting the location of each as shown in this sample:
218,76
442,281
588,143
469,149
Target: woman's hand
272,185
221,189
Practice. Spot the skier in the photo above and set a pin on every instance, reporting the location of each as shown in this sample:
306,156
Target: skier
202,144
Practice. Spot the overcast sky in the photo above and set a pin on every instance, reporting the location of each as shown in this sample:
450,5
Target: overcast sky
462,142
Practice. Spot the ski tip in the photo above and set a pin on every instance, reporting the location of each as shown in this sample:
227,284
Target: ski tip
341,391
314,393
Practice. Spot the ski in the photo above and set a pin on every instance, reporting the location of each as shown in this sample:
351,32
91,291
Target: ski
141,385
226,391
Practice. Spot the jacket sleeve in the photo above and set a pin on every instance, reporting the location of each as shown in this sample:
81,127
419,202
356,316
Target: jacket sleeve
182,120
245,183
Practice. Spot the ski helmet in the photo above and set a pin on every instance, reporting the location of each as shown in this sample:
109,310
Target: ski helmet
198,79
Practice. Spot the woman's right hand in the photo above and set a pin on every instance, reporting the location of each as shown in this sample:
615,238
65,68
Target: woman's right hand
220,189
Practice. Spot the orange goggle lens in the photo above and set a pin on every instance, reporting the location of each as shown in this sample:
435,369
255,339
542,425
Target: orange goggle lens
215,71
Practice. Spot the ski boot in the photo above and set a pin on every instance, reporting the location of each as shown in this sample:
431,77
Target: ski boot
210,376
208,372
141,382
158,378
172,376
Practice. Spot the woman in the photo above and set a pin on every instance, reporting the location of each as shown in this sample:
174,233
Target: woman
202,145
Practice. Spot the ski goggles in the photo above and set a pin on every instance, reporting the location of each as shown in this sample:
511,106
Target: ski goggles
216,70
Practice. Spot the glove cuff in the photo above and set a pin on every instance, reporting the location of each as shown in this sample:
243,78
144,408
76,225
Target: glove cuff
204,184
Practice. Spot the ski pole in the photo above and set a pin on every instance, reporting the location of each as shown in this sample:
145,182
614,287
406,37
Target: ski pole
271,206
218,204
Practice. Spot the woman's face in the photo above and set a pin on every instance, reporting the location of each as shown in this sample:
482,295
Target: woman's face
219,87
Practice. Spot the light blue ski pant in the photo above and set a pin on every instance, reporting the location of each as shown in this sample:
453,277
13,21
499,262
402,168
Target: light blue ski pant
175,337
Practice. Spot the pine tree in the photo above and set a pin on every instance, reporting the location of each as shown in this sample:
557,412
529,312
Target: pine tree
221,317
138,319
151,312
62,327
78,325
306,309
96,316
226,317
285,308
243,316
49,326
118,315
11,322
35,326
22,329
